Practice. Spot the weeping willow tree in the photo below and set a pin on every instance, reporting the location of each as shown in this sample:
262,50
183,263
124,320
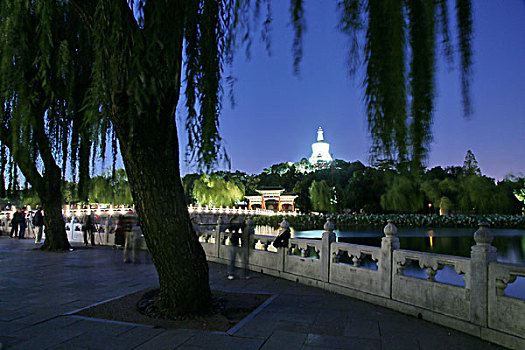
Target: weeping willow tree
215,191
397,42
137,75
45,68
141,51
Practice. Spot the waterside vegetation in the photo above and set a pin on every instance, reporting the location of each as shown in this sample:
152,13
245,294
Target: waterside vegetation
353,188
304,222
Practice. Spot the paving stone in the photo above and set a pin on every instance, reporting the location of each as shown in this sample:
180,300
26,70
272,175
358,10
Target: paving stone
334,342
400,342
45,340
166,340
10,328
255,329
284,339
292,326
139,334
362,328
105,329
219,342
93,341
335,329
34,295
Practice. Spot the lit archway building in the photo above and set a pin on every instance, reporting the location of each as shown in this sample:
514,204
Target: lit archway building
272,199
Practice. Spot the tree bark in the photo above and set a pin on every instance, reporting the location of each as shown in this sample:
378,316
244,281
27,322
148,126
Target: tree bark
151,161
52,200
56,237
150,150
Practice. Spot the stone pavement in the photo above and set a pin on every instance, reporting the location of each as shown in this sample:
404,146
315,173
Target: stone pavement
38,289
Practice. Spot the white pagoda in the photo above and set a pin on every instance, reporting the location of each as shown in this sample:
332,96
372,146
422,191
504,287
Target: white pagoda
320,150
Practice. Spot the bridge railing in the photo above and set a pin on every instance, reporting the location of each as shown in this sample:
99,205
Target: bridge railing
403,280
427,292
203,217
236,211
473,301
505,313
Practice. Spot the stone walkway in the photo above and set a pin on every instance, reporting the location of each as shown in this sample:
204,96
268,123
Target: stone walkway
38,289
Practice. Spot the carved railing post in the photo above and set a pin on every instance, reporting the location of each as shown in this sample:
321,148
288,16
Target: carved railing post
481,255
385,267
327,240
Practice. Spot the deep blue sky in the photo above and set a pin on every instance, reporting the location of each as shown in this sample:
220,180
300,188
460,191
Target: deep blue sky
277,114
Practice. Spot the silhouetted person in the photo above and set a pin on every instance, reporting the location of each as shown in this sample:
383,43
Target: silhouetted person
241,250
132,233
282,239
22,224
14,223
120,233
38,223
88,228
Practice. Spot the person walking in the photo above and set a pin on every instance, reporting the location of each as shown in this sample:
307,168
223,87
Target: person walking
14,223
22,224
132,233
241,250
120,232
87,229
38,223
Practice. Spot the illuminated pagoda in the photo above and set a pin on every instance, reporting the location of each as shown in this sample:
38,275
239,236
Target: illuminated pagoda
320,150
272,199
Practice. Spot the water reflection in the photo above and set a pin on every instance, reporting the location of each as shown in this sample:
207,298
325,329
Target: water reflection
448,241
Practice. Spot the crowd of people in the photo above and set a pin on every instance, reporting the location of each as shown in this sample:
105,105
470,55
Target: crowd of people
127,231
128,235
31,221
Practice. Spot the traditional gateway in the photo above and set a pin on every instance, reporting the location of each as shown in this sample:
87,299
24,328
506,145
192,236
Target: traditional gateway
272,199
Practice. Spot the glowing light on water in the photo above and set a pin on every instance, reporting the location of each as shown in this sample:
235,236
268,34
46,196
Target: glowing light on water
431,237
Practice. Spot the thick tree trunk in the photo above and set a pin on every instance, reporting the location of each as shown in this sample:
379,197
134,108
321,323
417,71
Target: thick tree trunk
56,237
146,129
151,160
47,186
51,197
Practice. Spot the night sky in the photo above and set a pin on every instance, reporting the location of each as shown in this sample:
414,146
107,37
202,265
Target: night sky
277,113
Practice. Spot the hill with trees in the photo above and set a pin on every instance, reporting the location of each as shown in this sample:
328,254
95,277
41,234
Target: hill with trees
351,187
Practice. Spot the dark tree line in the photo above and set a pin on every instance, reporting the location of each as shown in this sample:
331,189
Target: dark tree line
355,188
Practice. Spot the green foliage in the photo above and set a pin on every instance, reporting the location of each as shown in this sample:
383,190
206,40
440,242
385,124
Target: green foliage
111,188
431,190
445,205
304,222
352,187
215,191
30,197
398,35
45,67
403,195
320,194
470,165
519,192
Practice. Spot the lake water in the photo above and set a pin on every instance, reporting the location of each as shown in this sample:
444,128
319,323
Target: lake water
510,244
450,241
